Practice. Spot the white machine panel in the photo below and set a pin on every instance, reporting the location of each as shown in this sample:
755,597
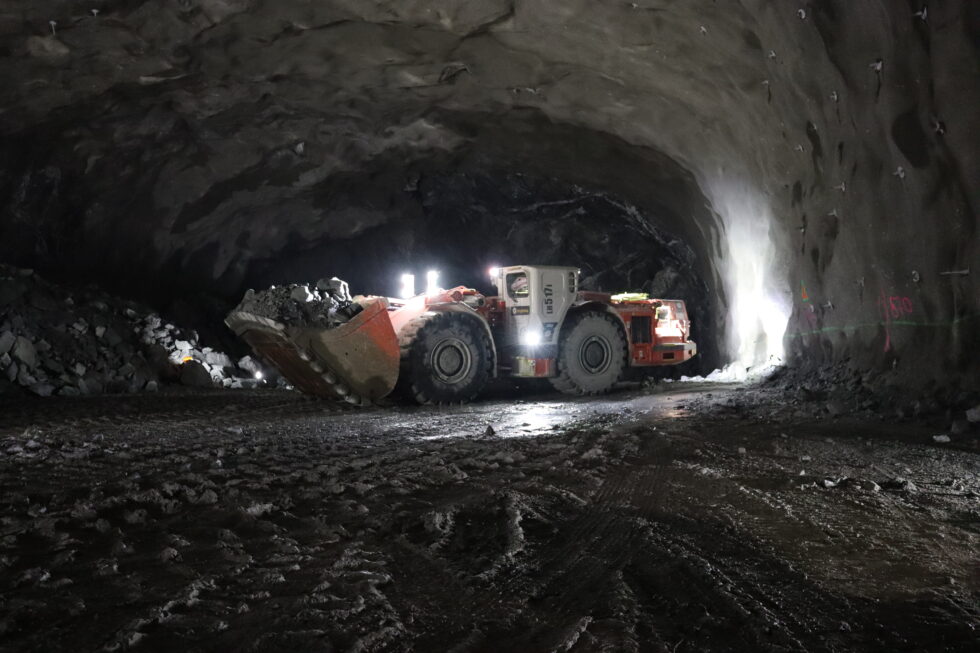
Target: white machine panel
537,299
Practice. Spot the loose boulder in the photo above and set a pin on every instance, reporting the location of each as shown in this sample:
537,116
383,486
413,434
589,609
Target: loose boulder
193,374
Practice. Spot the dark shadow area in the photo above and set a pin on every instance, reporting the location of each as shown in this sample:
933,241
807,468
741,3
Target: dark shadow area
510,189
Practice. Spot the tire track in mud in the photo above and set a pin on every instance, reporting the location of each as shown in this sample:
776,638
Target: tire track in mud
580,564
580,590
599,554
431,580
725,584
567,581
741,590
783,609
164,411
631,508
497,595
611,540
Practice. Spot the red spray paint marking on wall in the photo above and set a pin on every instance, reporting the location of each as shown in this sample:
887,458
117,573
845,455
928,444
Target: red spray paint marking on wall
807,311
893,307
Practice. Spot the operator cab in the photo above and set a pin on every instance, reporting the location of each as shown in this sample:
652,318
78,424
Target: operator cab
535,300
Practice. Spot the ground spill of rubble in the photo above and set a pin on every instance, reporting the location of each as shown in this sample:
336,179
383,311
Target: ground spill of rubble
72,341
685,518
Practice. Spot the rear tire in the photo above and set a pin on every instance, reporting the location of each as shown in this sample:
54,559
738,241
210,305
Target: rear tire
446,359
591,355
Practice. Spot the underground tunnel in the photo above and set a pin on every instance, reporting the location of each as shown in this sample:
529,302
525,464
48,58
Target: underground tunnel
720,390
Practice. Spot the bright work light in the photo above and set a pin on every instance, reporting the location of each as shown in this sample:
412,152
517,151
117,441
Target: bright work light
408,286
431,282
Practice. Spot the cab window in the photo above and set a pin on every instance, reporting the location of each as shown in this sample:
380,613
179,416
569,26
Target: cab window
517,285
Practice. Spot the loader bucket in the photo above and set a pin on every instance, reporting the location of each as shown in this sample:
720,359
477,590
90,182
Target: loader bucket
355,363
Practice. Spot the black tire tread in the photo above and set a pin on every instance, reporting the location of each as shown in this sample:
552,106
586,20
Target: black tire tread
407,340
563,382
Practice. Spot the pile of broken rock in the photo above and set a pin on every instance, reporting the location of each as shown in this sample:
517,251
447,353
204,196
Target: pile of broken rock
326,303
58,341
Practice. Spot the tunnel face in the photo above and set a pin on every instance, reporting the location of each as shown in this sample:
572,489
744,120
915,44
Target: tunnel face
803,174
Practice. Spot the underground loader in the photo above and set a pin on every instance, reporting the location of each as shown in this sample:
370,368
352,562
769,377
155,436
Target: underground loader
444,346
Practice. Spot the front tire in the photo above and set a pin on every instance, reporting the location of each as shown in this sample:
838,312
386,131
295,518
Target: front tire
446,359
591,355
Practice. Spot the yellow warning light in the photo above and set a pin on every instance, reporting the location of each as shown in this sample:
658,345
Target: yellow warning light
186,359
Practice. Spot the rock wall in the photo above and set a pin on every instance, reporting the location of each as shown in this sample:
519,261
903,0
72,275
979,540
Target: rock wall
801,162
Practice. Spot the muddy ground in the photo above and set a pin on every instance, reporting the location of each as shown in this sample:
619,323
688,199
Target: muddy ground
691,518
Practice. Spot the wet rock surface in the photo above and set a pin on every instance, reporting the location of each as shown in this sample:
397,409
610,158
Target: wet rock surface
56,340
642,521
839,392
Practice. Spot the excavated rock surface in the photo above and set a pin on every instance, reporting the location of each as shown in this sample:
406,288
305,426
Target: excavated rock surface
81,341
219,144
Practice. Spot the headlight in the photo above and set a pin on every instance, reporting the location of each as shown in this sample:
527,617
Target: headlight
531,338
